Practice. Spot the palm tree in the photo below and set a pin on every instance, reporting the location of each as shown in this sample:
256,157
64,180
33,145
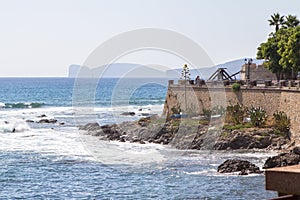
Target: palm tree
276,20
291,21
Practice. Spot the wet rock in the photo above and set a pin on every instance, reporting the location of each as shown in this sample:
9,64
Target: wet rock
142,142
90,127
48,121
185,136
29,121
296,150
244,167
128,113
41,116
283,159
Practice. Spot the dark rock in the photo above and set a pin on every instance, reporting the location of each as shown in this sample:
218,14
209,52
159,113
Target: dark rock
243,166
263,138
29,121
48,121
182,136
41,116
128,113
296,150
90,127
283,159
136,140
144,122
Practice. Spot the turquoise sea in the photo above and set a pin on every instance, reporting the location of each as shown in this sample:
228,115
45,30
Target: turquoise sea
57,161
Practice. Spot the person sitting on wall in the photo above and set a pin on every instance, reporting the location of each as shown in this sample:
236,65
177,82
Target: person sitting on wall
197,80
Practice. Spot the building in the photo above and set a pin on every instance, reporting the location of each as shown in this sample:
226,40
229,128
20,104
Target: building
257,72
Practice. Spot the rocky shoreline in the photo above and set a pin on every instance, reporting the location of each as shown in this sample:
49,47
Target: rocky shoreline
192,135
199,135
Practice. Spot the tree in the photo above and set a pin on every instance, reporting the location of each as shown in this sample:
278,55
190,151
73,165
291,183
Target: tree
268,52
281,51
289,50
276,20
291,21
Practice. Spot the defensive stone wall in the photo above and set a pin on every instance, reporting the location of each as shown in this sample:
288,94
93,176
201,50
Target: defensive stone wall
194,99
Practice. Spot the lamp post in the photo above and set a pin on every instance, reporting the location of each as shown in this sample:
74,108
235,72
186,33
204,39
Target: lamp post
248,62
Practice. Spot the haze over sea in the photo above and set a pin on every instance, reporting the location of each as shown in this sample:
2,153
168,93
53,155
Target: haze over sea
53,161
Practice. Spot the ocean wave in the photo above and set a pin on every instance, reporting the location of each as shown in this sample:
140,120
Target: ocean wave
21,105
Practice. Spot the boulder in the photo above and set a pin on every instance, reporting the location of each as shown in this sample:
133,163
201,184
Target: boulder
244,167
283,159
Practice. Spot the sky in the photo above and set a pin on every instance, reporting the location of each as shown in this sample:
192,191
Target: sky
42,38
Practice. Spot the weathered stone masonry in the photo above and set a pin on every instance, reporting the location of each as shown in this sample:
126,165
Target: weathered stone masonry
271,99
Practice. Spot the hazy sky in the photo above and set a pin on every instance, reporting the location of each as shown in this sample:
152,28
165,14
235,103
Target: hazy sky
43,37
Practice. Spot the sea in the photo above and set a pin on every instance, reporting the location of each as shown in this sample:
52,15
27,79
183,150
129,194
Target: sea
58,161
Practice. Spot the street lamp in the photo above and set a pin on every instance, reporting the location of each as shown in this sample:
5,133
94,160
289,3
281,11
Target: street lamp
248,62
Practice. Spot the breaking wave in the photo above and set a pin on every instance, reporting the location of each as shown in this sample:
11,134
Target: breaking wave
21,105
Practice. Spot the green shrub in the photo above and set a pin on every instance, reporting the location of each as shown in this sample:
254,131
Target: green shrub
282,122
235,114
175,110
236,87
207,112
257,116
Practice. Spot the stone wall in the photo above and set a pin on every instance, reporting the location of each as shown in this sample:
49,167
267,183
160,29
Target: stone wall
270,99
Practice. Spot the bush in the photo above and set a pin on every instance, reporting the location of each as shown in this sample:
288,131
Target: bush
236,87
235,114
257,116
206,112
282,122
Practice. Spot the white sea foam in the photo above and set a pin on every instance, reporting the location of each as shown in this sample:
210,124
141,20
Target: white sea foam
114,152
52,139
45,142
210,171
13,125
